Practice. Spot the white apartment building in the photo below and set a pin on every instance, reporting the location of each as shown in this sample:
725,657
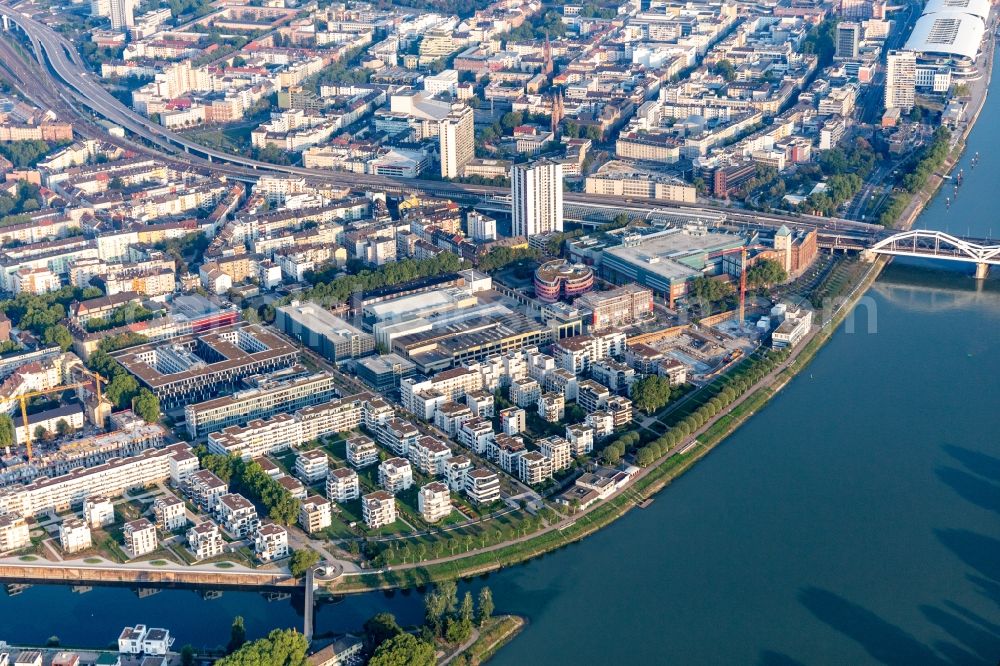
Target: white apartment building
900,79
534,468
170,513
257,438
282,431
205,488
205,540
434,502
581,439
578,353
140,538
237,515
312,466
174,463
450,416
271,543
378,509
361,451
476,434
397,435
456,469
537,198
602,423
512,420
395,475
558,450
122,14
525,392
315,513
342,485
376,412
14,532
98,511
74,535
457,141
552,407
453,384
482,403
482,486
429,455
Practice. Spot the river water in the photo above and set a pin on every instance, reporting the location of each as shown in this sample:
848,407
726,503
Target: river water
854,520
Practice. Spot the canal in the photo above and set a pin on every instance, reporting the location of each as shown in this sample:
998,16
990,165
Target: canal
854,520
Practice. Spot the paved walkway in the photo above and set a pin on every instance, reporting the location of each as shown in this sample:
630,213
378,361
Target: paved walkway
461,648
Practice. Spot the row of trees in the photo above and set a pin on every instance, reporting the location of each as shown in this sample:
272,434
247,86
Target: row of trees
743,379
930,160
615,451
339,289
251,481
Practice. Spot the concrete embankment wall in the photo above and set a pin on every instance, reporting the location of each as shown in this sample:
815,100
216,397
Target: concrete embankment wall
80,575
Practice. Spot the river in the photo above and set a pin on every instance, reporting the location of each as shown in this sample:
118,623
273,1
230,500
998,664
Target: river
853,520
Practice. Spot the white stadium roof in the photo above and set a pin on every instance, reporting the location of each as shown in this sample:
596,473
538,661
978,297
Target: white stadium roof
950,33
978,8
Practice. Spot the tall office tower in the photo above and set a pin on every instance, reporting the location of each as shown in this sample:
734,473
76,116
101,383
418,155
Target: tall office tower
537,197
900,79
122,14
848,39
100,7
457,141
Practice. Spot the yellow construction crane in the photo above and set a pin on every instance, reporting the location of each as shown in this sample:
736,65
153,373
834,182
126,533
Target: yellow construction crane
97,379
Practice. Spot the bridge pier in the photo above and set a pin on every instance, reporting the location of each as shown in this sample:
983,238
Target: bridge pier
982,271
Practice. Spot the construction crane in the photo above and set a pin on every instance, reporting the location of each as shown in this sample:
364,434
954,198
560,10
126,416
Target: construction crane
743,288
97,379
741,314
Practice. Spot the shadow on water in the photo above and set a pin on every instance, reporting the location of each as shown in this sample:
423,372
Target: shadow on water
971,488
772,658
975,461
883,641
978,551
981,642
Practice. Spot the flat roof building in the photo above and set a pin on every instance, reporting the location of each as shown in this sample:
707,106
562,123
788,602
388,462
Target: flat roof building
198,367
323,332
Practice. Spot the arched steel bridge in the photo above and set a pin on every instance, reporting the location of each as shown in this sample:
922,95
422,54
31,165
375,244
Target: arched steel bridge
940,245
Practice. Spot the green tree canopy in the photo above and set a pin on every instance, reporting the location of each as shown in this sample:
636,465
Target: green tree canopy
379,629
485,610
403,650
237,634
6,430
651,394
147,406
766,273
59,336
302,560
281,647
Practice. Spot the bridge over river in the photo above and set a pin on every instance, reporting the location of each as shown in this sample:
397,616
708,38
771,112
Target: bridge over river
939,245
